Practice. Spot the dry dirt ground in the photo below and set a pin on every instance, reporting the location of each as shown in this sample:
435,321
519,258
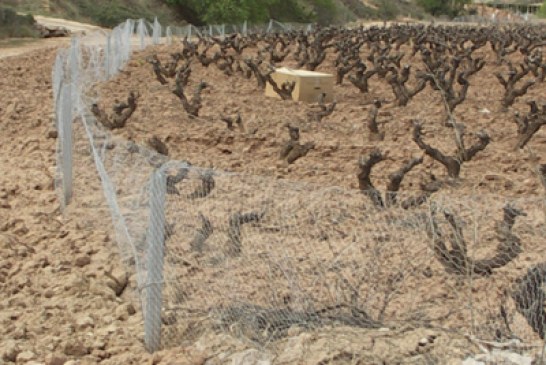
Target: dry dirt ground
340,140
66,297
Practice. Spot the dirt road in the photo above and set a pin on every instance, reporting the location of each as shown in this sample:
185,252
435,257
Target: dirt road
20,46
72,26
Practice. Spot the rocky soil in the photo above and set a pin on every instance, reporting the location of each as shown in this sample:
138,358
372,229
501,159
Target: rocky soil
65,296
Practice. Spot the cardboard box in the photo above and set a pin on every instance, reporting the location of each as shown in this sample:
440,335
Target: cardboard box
309,84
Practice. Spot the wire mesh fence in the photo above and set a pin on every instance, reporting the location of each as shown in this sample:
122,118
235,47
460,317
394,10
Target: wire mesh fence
496,20
267,255
257,257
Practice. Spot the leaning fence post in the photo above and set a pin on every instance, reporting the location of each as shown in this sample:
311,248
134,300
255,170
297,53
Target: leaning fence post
154,266
107,55
141,29
156,32
169,35
65,123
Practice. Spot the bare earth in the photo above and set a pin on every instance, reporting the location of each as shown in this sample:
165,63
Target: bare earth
66,297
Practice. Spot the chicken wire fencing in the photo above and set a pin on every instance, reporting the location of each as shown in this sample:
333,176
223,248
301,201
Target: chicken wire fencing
97,57
260,258
257,257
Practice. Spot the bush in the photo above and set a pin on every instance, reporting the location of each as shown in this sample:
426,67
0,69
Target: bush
541,13
443,7
105,13
387,10
112,15
289,11
358,9
13,25
325,12
259,11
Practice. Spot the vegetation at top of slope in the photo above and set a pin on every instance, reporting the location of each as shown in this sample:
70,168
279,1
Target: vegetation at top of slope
443,7
257,11
106,13
324,12
541,13
109,13
15,25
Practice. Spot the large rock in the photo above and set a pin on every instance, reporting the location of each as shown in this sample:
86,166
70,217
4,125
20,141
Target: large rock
124,311
10,351
82,261
51,32
75,348
55,360
25,356
117,280
84,322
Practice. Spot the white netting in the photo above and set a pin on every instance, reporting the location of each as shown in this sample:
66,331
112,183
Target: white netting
124,169
169,35
142,32
258,256
156,32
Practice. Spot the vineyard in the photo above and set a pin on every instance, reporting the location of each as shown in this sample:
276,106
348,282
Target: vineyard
401,221
414,199
471,93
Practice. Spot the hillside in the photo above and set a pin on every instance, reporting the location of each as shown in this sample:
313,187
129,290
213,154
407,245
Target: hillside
111,13
103,13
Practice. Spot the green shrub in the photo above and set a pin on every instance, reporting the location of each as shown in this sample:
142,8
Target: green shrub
13,25
324,12
289,12
443,7
387,10
112,15
259,11
105,13
541,13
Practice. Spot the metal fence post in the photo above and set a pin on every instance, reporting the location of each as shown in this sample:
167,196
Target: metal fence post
57,78
116,54
107,54
156,32
127,33
169,35
74,64
141,29
65,122
154,265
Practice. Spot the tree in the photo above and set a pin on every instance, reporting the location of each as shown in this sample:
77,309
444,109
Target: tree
257,11
387,10
443,7
542,10
324,11
289,11
228,11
